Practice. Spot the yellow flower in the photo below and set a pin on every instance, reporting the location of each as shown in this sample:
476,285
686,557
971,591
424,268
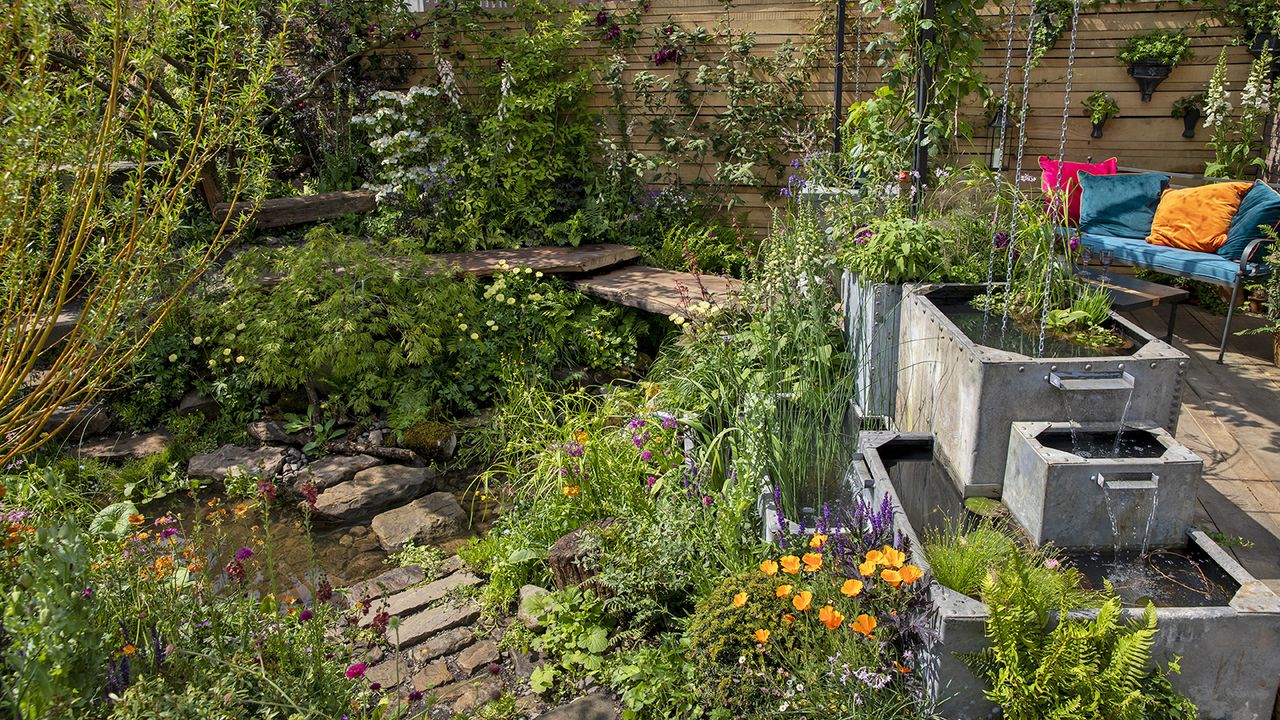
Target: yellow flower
891,576
769,567
239,359
129,649
910,574
782,591
136,519
173,357
463,327
197,340
802,600
740,600
867,568
581,437
572,490
761,636
864,624
511,301
790,564
538,274
812,562
226,352
874,556
830,617
817,541
851,588
475,336
893,557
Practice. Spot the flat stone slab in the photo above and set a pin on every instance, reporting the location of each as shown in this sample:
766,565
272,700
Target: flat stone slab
423,625
388,674
391,581
588,707
78,422
468,694
551,260
264,462
121,447
334,469
446,643
408,601
528,612
370,492
477,656
432,676
424,521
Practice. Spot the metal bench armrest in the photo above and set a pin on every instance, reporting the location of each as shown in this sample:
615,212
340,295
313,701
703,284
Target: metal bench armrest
1246,258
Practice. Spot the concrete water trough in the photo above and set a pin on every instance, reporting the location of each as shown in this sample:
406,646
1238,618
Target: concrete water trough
1229,645
967,393
1126,488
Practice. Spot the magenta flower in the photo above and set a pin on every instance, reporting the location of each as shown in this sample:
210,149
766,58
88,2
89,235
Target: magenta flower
356,670
305,615
243,554
86,593
325,592
415,695
646,455
168,532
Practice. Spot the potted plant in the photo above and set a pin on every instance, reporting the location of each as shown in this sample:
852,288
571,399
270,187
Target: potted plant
1152,56
1189,108
1258,20
1271,298
1100,107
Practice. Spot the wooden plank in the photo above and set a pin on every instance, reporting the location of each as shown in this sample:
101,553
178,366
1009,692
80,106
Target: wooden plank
279,212
550,260
660,291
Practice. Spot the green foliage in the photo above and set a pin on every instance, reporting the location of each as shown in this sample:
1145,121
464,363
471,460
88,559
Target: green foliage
699,248
427,557
1070,667
1100,107
896,250
657,681
1250,16
1235,134
1159,47
1188,104
577,636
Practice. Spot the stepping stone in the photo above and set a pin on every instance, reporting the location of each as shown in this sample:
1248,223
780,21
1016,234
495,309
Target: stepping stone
529,613
528,705
263,462
432,676
446,643
370,492
403,603
424,521
588,707
329,471
423,625
78,422
388,674
477,656
451,565
391,581
123,446
469,694
270,432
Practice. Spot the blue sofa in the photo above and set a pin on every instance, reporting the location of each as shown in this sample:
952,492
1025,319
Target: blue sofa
1208,267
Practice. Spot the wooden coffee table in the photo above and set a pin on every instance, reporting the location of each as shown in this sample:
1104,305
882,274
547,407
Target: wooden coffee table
1128,293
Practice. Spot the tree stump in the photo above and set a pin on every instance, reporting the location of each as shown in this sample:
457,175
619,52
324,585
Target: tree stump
569,561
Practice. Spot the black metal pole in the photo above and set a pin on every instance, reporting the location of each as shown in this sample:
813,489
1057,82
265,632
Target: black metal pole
924,84
837,117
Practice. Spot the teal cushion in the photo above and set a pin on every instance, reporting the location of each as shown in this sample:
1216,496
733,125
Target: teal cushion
1261,206
1120,205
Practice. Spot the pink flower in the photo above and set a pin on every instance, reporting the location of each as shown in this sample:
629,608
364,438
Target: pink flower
646,456
243,554
86,593
356,670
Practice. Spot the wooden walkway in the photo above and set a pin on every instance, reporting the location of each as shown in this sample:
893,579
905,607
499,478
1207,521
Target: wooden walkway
660,291
550,260
1231,418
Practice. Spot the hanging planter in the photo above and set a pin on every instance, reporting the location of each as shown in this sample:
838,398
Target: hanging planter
1100,107
1190,108
1152,56
1260,41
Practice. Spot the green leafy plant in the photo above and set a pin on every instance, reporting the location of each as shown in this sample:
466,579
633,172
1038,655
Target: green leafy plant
318,429
575,641
1100,107
1188,105
1159,47
1234,138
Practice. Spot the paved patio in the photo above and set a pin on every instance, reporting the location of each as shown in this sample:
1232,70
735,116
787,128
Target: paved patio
1231,417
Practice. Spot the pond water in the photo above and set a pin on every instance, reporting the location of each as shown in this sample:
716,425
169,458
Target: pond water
1168,577
1018,338
1103,445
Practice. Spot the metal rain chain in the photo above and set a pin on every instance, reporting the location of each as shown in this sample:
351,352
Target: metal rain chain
1017,166
1004,133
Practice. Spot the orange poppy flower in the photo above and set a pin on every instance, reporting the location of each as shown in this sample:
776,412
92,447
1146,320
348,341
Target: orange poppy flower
128,649
864,624
581,437
901,668
790,564
830,617
761,636
136,519
812,562
769,567
910,574
874,556
851,587
572,491
740,600
867,568
817,541
782,591
893,558
789,619
802,600
893,577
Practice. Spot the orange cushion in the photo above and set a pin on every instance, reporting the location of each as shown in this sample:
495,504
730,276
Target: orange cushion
1197,218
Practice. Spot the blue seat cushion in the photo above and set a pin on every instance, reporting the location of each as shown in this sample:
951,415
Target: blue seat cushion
1209,267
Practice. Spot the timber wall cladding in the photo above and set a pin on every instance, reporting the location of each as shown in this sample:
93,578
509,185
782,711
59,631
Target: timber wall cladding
1143,135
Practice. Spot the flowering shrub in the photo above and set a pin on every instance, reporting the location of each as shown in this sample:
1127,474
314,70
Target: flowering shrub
1233,138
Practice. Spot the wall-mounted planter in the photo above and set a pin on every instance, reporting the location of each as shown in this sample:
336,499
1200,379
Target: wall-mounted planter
1230,647
1097,129
967,392
1149,76
1189,123
1260,42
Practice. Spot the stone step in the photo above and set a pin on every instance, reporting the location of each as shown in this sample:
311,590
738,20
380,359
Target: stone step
263,462
432,621
389,582
120,447
446,643
425,521
596,706
408,601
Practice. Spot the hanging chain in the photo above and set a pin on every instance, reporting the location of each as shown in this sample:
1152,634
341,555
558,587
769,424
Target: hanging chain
1057,201
1004,133
1017,170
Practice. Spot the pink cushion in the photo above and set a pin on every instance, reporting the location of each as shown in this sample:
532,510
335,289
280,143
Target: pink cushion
1061,178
